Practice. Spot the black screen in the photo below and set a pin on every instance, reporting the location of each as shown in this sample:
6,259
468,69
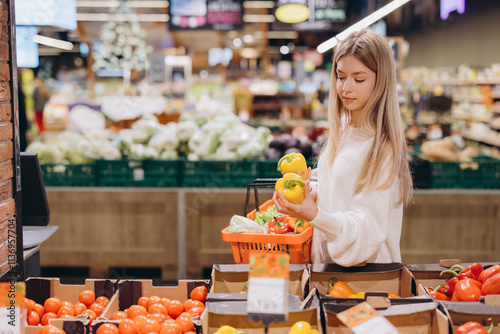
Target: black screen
35,209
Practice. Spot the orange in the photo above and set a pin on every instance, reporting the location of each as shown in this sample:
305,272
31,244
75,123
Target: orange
48,315
158,308
186,324
160,317
175,308
153,300
128,326
135,310
118,315
107,328
170,327
39,309
33,319
66,310
52,304
149,325
86,297
196,311
103,300
199,293
97,308
79,308
143,301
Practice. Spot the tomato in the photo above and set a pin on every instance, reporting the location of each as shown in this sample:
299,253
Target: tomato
190,332
136,310
103,300
186,324
160,317
107,328
188,304
91,313
66,316
39,309
143,301
66,310
51,329
79,308
170,327
52,304
118,315
128,326
197,311
138,320
199,293
97,308
86,297
48,315
188,315
175,308
165,301
153,300
33,319
197,303
66,303
149,325
158,308
28,304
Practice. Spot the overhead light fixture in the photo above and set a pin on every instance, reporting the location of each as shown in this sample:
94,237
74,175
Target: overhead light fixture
115,3
103,17
55,43
366,22
258,4
253,18
292,13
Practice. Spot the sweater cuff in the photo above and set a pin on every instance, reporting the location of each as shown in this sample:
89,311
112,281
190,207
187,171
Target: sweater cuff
328,224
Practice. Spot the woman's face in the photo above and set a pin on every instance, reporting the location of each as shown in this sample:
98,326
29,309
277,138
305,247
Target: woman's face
355,84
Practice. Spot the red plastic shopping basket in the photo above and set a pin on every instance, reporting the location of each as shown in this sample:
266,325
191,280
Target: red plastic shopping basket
298,245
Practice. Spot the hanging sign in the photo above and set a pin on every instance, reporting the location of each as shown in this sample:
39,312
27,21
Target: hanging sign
187,14
225,14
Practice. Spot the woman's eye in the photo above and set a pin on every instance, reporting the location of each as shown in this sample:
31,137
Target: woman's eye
340,78
359,80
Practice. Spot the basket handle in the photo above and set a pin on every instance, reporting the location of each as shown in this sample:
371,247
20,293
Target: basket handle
257,183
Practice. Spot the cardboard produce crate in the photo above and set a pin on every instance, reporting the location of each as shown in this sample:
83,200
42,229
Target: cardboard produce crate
39,289
232,279
373,277
233,313
129,292
461,312
407,318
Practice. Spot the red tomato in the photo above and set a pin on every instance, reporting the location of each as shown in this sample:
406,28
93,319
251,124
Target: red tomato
138,320
188,304
39,309
128,326
153,300
28,304
148,326
51,329
97,308
103,300
66,310
91,313
197,311
143,301
107,328
66,316
87,297
158,308
33,319
170,327
165,301
175,308
199,293
66,303
186,324
118,315
160,317
48,315
79,308
136,310
52,304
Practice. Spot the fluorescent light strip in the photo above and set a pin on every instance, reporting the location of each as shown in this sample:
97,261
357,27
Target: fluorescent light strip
101,17
55,43
366,22
258,18
258,4
130,3
282,34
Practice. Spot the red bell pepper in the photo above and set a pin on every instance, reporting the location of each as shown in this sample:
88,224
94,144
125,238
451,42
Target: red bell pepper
467,290
451,282
491,286
472,271
473,327
487,273
436,294
279,225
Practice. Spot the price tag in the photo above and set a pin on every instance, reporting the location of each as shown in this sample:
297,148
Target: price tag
268,278
10,323
364,319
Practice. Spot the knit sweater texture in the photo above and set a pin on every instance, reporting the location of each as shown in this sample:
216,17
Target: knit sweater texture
353,228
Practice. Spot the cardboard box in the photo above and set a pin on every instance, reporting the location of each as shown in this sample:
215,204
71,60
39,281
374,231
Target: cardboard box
461,312
39,289
373,277
233,313
407,318
232,279
129,292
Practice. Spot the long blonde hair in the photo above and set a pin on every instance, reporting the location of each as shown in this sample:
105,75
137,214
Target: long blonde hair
380,117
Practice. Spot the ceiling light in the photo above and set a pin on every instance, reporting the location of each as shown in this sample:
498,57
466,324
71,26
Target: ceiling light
237,42
366,22
258,4
130,3
55,43
102,17
292,13
284,50
248,38
258,18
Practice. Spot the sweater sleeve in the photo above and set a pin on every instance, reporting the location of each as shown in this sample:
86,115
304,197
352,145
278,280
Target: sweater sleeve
356,235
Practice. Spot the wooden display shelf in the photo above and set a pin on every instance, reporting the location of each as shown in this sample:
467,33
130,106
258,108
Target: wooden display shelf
179,229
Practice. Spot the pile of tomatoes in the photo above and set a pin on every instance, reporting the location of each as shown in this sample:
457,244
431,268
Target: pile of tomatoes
153,314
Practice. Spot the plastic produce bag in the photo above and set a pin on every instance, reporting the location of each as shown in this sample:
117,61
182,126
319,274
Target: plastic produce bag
241,224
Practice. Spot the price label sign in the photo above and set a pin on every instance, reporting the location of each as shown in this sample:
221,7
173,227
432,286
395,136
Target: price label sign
268,279
364,319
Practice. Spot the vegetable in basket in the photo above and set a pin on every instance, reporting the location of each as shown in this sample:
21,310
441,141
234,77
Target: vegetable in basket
279,225
241,224
292,187
298,225
264,217
293,163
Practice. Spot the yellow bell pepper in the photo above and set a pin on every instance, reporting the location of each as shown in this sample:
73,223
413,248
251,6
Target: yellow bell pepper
300,327
360,295
228,330
298,225
292,187
293,163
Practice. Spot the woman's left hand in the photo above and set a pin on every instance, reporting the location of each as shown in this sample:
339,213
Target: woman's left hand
307,210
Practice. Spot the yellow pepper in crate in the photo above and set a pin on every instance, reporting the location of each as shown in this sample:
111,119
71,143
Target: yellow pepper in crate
298,225
300,327
228,330
293,163
292,187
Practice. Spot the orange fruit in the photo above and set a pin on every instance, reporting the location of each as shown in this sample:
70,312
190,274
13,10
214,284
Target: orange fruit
128,326
118,315
52,304
186,324
79,308
175,308
39,309
97,308
148,326
103,300
196,311
135,310
158,308
66,310
107,328
33,318
153,300
160,317
45,318
143,301
199,293
170,327
86,297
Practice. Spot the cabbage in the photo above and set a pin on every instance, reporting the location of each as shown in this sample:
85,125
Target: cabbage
109,151
51,154
185,130
164,140
239,224
141,152
149,126
169,155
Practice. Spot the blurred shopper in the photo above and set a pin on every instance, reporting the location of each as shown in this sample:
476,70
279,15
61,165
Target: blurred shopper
40,97
363,177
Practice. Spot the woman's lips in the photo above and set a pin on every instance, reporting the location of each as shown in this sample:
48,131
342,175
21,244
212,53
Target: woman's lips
348,99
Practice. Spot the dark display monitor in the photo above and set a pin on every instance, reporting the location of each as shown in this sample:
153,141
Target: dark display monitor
35,208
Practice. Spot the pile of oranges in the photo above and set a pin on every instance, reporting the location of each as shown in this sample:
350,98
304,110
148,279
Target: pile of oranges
151,314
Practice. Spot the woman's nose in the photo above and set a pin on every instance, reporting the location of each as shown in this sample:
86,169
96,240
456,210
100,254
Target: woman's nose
347,86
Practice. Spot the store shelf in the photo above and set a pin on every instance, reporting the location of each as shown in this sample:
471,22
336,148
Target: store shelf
481,140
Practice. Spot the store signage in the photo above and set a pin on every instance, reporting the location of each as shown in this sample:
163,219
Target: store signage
292,13
206,15
448,6
57,13
321,15
220,56
26,49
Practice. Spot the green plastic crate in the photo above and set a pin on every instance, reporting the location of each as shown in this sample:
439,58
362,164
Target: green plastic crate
269,168
483,173
219,174
64,175
138,173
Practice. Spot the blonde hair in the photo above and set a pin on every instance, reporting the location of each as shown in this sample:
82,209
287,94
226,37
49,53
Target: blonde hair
380,117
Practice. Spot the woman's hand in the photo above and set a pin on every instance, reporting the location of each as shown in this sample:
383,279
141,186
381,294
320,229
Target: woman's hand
307,210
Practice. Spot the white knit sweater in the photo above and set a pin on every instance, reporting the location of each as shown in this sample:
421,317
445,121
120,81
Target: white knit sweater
352,228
